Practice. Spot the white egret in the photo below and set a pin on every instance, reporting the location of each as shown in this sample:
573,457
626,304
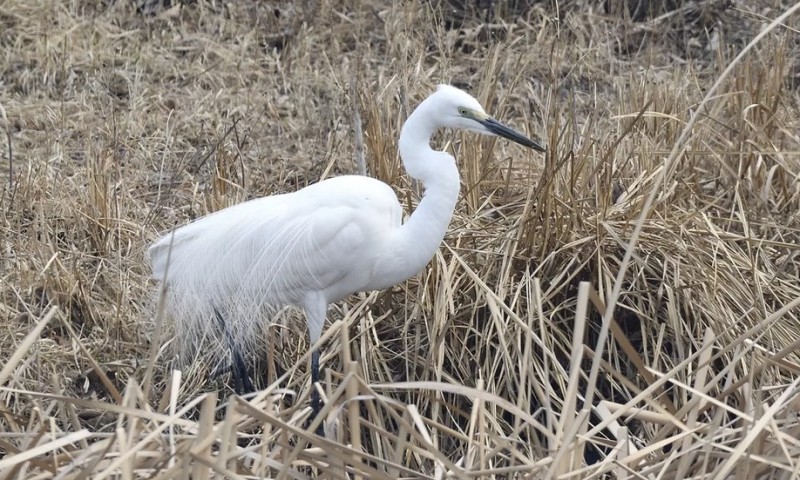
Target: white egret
227,271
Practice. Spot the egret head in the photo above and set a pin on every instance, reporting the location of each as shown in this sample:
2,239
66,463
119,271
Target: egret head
462,110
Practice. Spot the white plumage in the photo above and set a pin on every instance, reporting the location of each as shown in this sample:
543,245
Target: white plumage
315,246
253,258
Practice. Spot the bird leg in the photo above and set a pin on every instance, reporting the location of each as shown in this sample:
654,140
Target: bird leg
241,380
314,380
315,400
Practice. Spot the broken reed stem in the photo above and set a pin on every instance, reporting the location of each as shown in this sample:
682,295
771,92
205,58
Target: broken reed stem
7,128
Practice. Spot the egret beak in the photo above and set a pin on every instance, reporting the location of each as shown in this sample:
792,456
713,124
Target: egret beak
497,128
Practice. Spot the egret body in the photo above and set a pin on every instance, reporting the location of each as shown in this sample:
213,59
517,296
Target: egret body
226,272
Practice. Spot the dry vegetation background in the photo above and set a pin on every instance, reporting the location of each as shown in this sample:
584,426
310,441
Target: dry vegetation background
120,122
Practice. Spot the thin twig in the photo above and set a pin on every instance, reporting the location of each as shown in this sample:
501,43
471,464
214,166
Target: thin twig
7,127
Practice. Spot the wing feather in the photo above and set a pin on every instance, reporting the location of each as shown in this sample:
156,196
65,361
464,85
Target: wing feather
248,261
246,264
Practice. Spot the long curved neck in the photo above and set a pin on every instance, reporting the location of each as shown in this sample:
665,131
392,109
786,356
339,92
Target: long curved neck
414,244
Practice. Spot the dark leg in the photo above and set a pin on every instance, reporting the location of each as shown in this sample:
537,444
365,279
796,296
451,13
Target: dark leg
241,380
315,306
315,401
314,380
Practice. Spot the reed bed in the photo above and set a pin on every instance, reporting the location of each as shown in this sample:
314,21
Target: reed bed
625,306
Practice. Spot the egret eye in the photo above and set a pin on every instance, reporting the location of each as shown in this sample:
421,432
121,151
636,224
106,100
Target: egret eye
462,111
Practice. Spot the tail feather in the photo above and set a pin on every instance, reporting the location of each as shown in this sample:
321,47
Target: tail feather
167,248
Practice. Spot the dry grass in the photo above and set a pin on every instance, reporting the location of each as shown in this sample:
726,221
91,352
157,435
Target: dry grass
625,307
